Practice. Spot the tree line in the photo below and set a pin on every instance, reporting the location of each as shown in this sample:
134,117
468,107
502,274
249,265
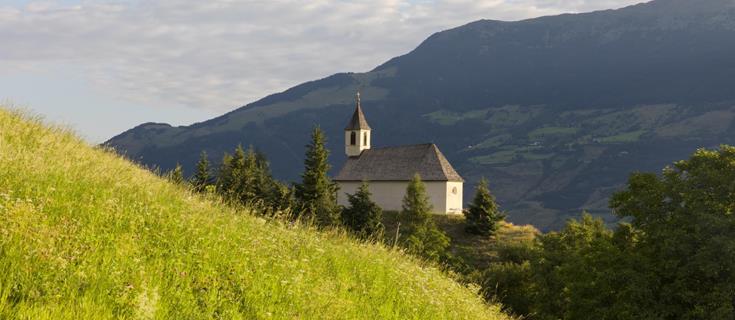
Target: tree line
244,178
672,257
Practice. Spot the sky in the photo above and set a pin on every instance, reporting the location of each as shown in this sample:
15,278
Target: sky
102,67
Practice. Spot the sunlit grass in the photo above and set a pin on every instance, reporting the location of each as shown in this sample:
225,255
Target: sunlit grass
474,250
84,234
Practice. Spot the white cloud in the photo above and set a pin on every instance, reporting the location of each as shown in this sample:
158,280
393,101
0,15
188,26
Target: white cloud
219,54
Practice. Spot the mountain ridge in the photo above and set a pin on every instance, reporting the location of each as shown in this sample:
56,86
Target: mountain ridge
555,110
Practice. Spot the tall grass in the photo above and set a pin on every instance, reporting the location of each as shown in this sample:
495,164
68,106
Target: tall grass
85,234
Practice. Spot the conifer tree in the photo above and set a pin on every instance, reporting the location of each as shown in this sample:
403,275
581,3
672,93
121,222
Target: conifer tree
224,176
262,178
416,206
245,178
262,161
233,171
235,181
274,195
201,175
177,174
316,194
279,198
422,235
363,216
483,215
249,176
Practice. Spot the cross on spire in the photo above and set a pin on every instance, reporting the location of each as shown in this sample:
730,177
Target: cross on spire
358,121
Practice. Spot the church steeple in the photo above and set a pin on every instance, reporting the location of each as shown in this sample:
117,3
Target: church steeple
357,132
358,121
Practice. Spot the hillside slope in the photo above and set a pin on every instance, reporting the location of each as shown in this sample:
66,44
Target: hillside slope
85,234
555,111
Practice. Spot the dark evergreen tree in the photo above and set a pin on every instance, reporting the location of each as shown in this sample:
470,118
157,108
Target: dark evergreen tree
363,217
224,176
416,206
273,195
422,235
236,179
200,180
317,194
248,175
265,185
262,161
177,174
279,198
483,215
237,169
245,178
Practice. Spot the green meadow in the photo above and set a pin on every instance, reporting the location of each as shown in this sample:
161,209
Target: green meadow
85,234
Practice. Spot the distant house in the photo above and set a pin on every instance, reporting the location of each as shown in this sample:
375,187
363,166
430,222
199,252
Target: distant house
388,170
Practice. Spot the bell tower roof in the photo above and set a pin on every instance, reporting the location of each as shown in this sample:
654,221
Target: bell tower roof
358,121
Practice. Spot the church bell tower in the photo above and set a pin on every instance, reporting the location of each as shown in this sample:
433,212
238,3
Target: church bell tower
357,132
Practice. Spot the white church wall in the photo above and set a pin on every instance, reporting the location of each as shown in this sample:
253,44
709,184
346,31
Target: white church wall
455,203
389,194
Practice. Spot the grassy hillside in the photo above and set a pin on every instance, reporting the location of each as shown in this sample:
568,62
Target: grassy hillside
475,252
85,234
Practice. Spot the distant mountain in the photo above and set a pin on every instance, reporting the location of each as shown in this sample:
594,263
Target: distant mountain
555,111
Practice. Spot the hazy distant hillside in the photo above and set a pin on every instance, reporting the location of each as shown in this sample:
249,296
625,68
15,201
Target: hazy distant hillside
555,111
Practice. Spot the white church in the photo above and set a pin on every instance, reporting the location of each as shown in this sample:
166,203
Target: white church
388,170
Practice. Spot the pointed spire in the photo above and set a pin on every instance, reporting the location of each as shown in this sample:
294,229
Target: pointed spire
358,121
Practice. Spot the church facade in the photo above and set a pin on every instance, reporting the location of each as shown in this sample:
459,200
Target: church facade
389,169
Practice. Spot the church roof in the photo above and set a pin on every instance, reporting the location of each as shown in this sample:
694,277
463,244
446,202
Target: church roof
399,164
358,121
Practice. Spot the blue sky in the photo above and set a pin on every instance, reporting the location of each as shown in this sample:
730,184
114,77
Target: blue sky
64,96
103,67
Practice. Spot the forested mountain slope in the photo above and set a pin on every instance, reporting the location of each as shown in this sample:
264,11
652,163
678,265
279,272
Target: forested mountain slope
555,111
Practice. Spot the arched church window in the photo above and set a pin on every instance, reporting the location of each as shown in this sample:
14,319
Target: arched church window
353,138
364,139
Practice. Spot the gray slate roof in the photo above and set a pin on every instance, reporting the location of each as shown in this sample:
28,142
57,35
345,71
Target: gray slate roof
358,121
399,164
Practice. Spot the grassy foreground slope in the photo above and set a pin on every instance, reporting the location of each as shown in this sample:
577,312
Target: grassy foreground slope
86,234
